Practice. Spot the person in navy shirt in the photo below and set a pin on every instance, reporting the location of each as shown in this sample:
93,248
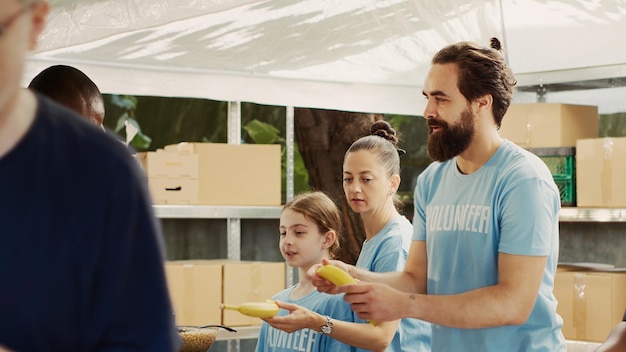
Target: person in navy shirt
81,252
70,87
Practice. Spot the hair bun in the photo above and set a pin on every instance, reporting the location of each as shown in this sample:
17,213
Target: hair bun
494,43
383,129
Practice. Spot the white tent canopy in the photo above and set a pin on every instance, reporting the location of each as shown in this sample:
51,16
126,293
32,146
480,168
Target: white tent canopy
353,55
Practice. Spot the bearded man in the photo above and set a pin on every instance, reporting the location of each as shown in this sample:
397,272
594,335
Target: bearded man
486,233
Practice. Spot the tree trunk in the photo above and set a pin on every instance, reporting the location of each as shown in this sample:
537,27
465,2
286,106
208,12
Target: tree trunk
323,137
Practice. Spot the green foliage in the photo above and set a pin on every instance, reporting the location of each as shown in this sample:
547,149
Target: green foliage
398,121
264,133
612,125
128,104
300,172
413,133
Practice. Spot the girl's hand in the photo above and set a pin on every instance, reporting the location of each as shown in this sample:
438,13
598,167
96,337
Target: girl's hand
297,319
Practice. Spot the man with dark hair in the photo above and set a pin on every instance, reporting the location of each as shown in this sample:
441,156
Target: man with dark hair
81,252
486,232
72,88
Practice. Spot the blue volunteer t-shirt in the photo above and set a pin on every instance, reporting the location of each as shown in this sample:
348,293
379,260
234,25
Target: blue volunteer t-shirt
387,251
306,340
510,205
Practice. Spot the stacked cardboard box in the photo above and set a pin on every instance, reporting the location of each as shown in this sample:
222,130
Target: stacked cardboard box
195,289
249,282
600,172
198,288
545,126
215,174
591,302
541,125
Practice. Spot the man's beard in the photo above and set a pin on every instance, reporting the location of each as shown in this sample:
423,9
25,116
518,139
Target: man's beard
450,141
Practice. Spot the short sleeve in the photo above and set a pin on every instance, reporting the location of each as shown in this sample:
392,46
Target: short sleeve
528,217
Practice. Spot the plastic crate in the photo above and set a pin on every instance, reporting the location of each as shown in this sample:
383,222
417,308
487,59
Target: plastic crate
562,164
567,190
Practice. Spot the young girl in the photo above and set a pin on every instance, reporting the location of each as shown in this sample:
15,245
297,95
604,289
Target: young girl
309,231
371,177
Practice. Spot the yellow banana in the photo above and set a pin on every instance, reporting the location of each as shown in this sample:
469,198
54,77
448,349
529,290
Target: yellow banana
335,274
338,277
255,309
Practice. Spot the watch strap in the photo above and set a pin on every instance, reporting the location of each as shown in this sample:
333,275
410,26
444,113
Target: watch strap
327,328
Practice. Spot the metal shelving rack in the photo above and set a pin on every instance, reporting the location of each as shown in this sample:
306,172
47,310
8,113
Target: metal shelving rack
234,214
573,214
215,212
567,214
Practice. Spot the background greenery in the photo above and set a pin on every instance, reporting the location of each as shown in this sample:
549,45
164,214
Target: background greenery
165,121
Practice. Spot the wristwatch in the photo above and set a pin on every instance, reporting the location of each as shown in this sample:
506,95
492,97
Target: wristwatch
327,328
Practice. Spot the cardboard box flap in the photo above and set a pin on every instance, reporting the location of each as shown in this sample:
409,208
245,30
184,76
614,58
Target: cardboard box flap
600,172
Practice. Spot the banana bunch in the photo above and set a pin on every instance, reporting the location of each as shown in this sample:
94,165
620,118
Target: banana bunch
255,309
335,275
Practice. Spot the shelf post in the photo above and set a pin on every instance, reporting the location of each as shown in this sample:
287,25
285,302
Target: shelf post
289,191
234,122
234,224
234,238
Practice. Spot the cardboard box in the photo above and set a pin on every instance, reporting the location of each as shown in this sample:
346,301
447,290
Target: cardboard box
600,172
250,282
198,288
216,174
542,125
590,303
170,163
195,288
165,190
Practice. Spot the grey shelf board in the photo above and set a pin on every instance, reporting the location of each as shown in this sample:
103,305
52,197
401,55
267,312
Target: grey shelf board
575,214
216,212
567,214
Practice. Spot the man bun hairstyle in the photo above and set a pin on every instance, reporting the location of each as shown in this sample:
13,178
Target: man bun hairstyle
481,71
494,43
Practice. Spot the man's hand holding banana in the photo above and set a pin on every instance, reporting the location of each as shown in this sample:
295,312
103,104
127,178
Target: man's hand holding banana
333,278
